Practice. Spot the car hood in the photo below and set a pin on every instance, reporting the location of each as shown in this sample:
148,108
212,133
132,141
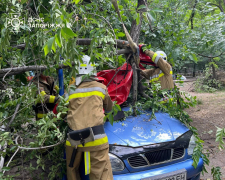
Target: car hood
141,130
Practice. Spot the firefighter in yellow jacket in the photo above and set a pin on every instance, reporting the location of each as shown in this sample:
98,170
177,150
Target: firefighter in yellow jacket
86,135
162,72
48,91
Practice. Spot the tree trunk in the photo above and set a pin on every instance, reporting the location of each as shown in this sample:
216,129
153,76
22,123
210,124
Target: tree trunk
214,71
136,29
194,70
135,33
193,14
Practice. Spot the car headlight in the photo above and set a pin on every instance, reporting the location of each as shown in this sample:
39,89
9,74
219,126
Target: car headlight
192,145
116,163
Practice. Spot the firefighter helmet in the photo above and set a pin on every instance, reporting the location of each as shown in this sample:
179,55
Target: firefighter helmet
86,67
162,54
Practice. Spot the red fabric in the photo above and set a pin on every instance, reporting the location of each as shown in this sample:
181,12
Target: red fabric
119,87
54,110
29,78
141,67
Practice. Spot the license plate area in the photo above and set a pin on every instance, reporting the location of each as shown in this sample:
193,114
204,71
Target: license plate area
175,175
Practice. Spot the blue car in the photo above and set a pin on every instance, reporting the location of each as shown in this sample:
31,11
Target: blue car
144,149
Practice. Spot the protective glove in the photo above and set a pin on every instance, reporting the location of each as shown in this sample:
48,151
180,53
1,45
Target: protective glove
142,73
143,48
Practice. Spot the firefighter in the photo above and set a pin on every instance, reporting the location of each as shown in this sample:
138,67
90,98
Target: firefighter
48,91
161,73
86,135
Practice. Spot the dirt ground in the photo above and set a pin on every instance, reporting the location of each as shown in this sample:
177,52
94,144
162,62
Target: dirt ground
206,116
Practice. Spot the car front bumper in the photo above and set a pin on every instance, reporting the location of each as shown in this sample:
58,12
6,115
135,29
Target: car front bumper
192,173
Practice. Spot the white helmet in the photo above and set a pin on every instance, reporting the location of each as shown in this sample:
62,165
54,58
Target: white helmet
162,54
85,67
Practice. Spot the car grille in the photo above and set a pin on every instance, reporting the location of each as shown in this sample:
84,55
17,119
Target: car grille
156,157
178,153
138,161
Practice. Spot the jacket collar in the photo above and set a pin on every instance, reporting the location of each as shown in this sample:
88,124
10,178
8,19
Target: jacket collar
86,79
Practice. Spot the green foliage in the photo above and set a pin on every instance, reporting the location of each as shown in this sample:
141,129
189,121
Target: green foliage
109,116
215,171
206,83
220,134
174,107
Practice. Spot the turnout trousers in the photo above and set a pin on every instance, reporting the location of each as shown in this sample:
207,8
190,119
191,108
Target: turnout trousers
100,166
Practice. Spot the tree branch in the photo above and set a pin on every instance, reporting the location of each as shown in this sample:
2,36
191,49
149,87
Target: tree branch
219,6
149,20
18,106
212,56
86,41
18,70
193,14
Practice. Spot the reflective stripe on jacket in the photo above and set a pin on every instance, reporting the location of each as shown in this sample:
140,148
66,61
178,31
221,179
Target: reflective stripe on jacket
157,76
86,105
163,73
97,142
48,99
86,92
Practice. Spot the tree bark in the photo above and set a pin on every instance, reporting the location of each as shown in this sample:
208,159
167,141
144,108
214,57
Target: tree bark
19,70
122,44
214,71
219,6
194,70
136,29
137,85
193,14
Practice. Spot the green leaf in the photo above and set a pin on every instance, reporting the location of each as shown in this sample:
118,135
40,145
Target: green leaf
193,57
58,40
23,1
135,16
141,7
157,10
53,46
6,168
138,18
121,34
76,1
118,107
67,33
68,63
12,148
111,118
151,16
48,45
82,9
